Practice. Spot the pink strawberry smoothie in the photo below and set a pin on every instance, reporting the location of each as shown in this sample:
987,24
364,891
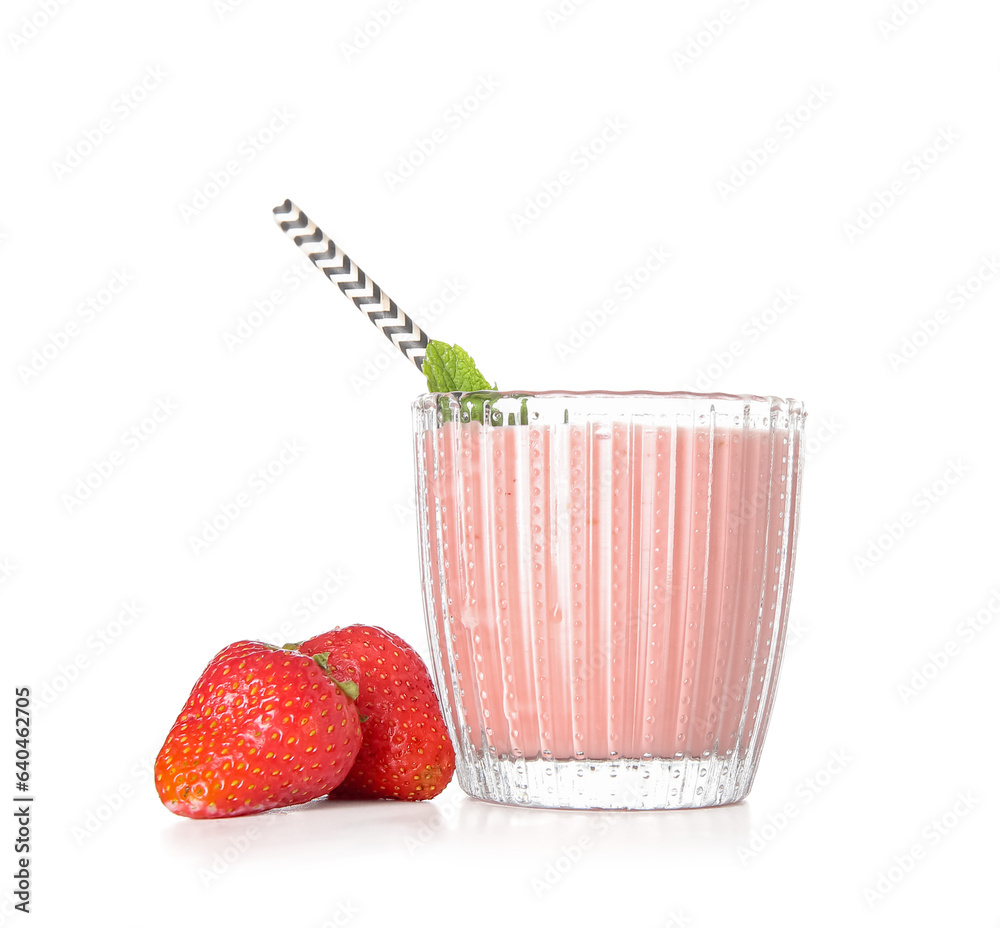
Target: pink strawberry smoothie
607,592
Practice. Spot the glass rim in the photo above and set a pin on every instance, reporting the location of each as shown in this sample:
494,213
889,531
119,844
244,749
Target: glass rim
792,406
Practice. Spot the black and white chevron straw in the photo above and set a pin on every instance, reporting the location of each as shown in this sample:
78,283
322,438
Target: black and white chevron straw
367,295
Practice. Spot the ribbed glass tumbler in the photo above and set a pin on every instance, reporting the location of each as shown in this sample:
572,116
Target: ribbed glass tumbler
606,580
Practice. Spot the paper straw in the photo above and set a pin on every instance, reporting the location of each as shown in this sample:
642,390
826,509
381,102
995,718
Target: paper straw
367,295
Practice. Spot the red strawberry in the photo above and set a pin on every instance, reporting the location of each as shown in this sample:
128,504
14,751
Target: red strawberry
405,751
263,727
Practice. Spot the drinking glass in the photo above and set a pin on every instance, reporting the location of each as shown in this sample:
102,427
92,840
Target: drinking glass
606,580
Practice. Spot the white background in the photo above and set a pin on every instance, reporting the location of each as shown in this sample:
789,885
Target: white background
851,820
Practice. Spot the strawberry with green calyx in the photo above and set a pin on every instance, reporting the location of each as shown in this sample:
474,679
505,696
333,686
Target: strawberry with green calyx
263,728
405,751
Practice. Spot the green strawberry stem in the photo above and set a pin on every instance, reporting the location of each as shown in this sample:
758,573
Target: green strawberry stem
349,687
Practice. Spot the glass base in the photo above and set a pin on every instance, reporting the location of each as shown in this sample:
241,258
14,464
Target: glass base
645,783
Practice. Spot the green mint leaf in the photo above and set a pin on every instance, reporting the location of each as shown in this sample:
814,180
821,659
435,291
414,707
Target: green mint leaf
450,369
481,406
